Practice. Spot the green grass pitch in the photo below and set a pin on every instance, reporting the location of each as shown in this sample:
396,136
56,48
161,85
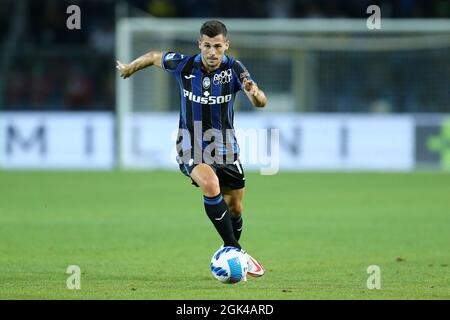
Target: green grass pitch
144,235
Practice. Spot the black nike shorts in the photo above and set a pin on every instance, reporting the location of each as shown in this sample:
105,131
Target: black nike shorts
230,175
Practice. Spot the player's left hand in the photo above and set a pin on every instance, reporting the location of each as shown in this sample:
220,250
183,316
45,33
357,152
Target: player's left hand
250,87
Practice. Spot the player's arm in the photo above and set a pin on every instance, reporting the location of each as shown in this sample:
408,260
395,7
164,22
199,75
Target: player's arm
255,94
152,58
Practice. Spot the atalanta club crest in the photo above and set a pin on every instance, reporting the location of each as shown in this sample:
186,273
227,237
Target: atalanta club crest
206,83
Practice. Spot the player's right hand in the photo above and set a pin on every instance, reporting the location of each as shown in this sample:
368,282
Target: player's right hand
250,87
125,70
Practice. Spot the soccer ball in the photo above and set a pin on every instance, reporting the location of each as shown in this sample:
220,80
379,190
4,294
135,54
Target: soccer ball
229,265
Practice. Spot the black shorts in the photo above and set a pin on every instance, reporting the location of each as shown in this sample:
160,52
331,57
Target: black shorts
230,175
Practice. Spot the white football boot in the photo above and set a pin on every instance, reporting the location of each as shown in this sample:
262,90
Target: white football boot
255,269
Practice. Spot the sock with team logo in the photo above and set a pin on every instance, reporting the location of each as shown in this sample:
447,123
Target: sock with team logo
218,212
237,227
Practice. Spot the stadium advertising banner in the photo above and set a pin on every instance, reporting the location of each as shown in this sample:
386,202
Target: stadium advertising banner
432,137
56,140
286,142
267,141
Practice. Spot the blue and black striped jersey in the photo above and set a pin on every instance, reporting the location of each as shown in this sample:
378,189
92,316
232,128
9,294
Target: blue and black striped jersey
206,112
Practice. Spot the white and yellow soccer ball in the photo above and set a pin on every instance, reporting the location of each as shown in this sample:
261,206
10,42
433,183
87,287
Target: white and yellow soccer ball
229,265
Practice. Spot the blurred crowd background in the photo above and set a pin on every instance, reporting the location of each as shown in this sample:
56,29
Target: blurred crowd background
46,67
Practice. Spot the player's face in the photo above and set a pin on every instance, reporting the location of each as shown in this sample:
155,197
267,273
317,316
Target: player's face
213,50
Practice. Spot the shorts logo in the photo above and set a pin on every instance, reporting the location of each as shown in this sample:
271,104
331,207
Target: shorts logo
223,77
206,83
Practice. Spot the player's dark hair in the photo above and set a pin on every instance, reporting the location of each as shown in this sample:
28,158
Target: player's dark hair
212,28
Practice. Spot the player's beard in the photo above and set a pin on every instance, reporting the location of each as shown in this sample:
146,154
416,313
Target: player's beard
213,63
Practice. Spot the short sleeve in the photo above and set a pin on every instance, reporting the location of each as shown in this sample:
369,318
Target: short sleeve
240,72
171,61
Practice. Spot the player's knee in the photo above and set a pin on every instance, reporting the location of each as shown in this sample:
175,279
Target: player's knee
211,186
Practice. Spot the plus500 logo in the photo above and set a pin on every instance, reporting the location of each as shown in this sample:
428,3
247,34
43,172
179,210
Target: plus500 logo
206,100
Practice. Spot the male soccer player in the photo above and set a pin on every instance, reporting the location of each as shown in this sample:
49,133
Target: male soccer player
208,152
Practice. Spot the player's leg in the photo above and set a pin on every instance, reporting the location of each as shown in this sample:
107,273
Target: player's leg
215,205
233,198
233,187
